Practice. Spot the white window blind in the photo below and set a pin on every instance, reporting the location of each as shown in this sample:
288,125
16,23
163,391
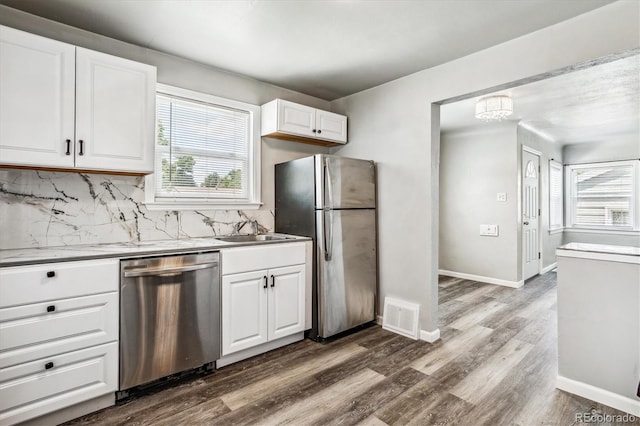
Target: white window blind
603,195
556,197
205,149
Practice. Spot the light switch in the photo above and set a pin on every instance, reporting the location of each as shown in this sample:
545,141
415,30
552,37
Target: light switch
502,197
489,230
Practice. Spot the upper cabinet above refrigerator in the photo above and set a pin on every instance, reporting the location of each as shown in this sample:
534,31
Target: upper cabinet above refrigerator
291,121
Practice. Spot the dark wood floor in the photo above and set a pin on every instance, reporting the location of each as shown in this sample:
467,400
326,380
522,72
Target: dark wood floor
495,365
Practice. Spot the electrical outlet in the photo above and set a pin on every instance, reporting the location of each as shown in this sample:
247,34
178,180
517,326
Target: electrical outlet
502,197
489,230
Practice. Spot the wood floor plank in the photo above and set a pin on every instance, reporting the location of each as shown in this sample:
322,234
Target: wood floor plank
443,411
482,290
484,380
310,410
239,397
372,421
354,410
476,314
438,358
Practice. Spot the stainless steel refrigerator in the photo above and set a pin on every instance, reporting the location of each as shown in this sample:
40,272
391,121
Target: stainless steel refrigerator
333,200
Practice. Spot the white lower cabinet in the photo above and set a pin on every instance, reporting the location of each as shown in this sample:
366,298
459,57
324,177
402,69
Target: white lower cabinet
58,336
264,304
38,387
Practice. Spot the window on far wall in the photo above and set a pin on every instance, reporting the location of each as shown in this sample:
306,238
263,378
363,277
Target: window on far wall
207,152
556,198
604,195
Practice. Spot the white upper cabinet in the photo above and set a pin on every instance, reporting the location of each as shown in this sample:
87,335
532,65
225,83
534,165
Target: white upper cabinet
67,107
331,126
291,121
37,98
297,119
115,113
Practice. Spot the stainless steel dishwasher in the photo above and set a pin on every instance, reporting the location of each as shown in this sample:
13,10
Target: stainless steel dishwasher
169,316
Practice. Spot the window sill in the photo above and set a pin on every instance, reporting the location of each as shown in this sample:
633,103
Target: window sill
556,231
201,206
602,231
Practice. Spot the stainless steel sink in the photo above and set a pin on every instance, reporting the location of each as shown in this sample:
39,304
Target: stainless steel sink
251,238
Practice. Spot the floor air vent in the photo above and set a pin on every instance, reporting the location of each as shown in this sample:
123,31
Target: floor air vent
401,317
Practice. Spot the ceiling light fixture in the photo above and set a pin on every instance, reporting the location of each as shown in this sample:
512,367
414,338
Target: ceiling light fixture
494,108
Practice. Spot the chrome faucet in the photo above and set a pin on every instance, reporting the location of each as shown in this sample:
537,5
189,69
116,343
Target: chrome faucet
239,225
254,224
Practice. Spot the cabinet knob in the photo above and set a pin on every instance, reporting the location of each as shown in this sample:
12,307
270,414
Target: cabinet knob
51,274
68,147
314,130
266,282
51,308
319,131
48,366
273,281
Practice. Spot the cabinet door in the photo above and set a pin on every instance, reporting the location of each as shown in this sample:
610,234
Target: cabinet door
331,126
29,332
244,311
296,119
286,301
36,388
37,87
115,113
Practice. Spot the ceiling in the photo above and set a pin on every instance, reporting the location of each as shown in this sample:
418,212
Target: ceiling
323,48
588,105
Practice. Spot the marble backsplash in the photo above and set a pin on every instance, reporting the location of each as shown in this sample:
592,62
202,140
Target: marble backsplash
45,209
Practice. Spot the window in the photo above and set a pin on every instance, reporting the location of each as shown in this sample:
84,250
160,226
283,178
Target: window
604,195
207,152
556,210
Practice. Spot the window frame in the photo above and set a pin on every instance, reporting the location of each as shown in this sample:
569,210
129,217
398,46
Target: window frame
555,228
635,198
253,200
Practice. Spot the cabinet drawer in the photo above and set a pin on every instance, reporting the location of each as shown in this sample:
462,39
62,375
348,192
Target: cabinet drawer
253,258
29,332
30,390
23,285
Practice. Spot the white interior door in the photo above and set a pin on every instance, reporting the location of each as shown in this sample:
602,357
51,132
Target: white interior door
530,214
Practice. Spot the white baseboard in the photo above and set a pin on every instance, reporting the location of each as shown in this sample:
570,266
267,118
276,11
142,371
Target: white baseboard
602,396
430,336
551,267
480,278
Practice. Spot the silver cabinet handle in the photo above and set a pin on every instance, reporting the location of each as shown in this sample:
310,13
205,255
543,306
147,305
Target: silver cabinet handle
525,222
167,271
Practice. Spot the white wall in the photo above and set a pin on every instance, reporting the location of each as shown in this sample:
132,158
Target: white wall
187,74
474,166
395,125
623,147
550,150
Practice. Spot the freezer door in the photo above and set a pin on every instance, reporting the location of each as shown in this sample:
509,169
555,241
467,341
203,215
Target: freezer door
345,183
346,253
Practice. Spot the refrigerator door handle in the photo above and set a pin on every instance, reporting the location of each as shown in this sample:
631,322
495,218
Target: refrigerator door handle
328,241
327,176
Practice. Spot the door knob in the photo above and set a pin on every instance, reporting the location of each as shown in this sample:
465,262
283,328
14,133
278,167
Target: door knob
526,222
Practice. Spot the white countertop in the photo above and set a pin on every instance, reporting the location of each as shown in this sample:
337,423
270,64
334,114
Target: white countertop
624,254
30,256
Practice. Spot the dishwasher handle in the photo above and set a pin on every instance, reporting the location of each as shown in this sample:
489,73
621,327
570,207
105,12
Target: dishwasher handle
164,271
